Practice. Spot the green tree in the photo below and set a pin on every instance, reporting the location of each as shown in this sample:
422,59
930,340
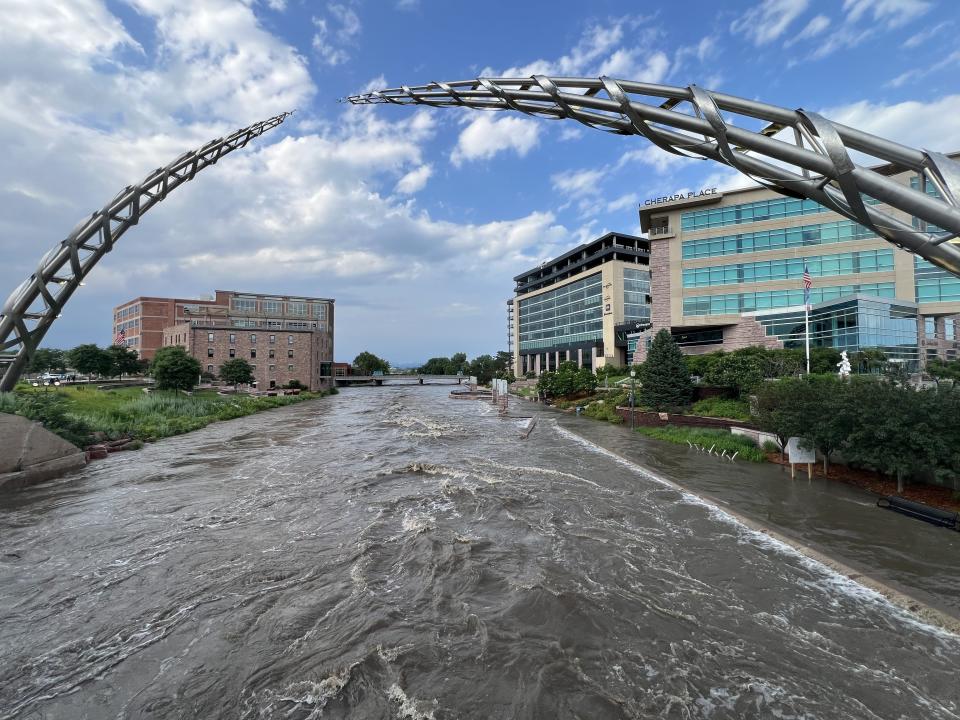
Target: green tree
664,375
777,409
897,431
869,360
45,359
742,370
483,367
367,363
174,369
123,360
458,363
90,359
236,371
824,360
828,408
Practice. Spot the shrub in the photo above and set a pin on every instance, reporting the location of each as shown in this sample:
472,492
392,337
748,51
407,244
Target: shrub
602,410
722,407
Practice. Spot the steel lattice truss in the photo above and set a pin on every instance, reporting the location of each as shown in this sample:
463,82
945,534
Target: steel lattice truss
30,311
794,152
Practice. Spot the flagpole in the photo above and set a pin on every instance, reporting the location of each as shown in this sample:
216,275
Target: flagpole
806,323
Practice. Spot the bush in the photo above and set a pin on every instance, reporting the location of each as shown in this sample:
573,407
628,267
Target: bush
722,408
51,410
603,410
567,380
295,385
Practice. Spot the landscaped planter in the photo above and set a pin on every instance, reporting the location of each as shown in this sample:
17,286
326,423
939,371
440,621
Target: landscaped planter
644,418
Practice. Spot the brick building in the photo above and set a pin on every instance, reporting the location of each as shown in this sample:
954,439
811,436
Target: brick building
283,337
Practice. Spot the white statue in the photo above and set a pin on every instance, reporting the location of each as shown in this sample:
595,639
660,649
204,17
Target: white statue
844,365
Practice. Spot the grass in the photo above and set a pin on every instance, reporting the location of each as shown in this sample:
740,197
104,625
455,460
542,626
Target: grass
82,414
718,439
722,408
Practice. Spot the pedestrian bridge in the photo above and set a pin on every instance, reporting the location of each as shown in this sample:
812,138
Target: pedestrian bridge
409,379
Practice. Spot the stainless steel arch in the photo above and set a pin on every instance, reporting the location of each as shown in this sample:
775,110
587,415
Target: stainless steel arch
795,152
30,311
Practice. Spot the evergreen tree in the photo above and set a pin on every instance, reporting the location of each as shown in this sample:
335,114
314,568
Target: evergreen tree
665,378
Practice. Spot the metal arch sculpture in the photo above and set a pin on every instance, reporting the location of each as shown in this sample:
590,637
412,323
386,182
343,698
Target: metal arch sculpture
814,163
30,311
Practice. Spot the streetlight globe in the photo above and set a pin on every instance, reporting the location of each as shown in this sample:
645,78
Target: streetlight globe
633,373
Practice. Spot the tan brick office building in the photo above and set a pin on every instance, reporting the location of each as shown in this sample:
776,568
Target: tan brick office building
283,337
726,272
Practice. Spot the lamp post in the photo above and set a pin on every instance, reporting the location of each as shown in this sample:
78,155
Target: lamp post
633,393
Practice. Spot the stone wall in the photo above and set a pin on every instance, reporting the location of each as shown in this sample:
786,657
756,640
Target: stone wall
644,418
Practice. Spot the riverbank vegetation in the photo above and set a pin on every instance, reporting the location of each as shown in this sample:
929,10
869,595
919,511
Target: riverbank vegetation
718,441
86,415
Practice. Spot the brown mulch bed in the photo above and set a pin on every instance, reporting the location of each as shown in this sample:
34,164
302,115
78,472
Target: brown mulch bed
933,495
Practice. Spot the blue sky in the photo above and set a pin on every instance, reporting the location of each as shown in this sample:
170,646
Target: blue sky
415,220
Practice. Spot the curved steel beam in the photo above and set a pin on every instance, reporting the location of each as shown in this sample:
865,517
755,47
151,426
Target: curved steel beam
30,311
810,160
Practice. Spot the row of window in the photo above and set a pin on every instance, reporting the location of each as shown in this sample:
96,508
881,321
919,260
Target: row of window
253,353
779,239
790,268
930,329
736,303
272,368
571,313
636,295
124,313
748,212
126,325
279,307
274,324
934,284
272,339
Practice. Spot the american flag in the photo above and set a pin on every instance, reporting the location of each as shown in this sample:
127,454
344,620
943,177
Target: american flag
807,284
121,338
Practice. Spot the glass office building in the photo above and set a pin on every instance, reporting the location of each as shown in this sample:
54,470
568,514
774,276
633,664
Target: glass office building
576,306
727,273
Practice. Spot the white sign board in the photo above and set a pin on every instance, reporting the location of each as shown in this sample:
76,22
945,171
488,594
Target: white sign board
797,454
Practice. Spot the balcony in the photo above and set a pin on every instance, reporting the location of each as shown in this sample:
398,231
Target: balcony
661,232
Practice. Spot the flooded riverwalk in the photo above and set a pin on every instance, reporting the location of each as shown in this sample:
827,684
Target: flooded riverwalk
390,553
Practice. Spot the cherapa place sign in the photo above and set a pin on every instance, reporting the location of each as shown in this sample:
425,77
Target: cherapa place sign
681,196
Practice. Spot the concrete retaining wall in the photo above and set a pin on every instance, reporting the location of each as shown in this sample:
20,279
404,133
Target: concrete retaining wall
29,453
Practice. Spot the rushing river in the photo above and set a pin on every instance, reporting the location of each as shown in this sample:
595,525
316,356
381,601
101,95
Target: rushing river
390,553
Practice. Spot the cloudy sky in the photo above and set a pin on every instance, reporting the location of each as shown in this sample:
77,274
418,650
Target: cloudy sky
414,220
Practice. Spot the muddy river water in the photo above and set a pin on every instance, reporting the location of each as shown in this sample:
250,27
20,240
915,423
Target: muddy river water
391,553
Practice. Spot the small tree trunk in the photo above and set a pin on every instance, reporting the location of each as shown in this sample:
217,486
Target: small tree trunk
899,481
826,462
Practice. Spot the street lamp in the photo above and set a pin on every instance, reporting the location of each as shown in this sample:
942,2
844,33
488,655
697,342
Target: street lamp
633,392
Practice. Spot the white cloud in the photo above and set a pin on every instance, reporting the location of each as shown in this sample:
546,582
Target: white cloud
918,39
408,4
657,158
636,64
767,21
921,125
913,75
893,13
486,135
332,35
570,132
415,180
579,183
278,5
701,52
320,205
815,27
623,202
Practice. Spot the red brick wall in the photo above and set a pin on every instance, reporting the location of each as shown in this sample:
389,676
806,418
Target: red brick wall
652,419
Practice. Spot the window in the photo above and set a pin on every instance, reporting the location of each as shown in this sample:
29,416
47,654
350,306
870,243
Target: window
273,339
209,352
233,352
930,327
949,328
253,353
289,353
209,368
272,368
244,304
253,367
289,339
253,339
296,308
233,338
272,307
320,311
289,367
271,353
209,337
